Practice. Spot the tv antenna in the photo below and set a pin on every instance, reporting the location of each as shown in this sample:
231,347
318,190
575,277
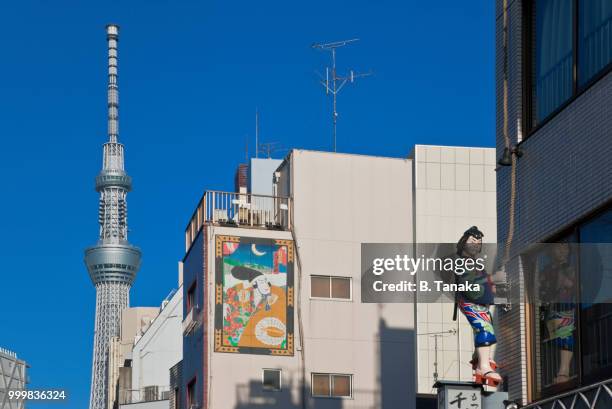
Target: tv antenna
335,84
435,336
268,148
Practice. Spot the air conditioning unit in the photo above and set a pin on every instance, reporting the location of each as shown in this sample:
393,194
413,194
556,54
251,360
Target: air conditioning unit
191,320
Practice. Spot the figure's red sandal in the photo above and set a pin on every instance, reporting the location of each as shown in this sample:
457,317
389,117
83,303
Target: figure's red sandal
489,378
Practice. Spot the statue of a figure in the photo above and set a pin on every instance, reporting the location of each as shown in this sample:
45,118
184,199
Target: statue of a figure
475,306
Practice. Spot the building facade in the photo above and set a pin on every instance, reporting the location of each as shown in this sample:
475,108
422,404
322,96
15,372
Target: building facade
13,376
453,188
273,315
553,75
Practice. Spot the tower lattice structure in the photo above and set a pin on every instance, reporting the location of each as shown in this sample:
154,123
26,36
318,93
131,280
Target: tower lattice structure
113,262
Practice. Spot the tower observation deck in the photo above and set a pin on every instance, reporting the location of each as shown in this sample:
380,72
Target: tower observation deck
113,262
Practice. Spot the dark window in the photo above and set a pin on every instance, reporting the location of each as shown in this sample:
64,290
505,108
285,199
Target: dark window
569,44
271,379
177,398
191,297
594,38
330,287
573,314
191,394
553,55
332,385
596,296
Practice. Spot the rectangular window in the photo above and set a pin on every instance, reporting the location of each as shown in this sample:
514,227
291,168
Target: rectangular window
572,317
271,379
191,394
191,297
553,55
568,43
332,385
594,38
177,398
330,287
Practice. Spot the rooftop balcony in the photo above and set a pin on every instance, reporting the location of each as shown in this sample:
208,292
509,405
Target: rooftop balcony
244,210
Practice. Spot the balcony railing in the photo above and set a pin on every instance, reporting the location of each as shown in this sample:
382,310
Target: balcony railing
598,395
239,210
151,393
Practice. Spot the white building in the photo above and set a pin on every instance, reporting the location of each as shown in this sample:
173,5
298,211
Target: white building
12,377
333,350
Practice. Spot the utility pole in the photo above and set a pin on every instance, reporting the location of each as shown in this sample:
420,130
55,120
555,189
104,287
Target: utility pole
335,84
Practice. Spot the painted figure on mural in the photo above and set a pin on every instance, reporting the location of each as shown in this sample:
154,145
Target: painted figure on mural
255,299
476,307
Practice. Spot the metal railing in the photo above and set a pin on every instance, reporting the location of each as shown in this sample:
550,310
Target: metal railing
598,395
239,210
147,394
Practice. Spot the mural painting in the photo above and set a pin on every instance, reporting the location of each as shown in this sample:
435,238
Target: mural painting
254,295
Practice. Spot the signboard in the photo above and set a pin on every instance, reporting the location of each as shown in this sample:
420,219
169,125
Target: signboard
459,396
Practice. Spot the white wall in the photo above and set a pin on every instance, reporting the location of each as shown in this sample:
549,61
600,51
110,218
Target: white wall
261,172
160,348
454,189
341,201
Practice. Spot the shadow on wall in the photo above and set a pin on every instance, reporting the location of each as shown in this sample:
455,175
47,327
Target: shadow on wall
397,367
253,396
394,386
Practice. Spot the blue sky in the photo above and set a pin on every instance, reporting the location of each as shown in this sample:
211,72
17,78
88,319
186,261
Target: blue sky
190,77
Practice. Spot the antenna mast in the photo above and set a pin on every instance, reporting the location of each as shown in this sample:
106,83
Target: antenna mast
256,132
335,84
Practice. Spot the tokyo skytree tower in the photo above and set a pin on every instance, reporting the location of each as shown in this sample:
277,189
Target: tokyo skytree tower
113,262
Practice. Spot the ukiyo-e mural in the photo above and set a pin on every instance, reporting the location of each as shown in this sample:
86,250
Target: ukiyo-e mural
254,295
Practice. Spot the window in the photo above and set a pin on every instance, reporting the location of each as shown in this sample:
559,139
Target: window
191,297
570,43
571,323
177,398
191,394
271,379
594,38
332,385
330,287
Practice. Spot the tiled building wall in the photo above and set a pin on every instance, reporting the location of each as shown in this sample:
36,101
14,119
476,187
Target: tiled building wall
564,175
454,189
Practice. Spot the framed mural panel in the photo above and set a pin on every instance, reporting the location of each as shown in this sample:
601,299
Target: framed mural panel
254,295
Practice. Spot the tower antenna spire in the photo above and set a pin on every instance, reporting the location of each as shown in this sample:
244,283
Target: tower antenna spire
113,262
335,84
112,37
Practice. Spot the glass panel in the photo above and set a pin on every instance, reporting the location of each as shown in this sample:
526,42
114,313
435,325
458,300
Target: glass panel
271,379
320,385
319,287
555,307
553,55
594,37
341,288
342,385
596,294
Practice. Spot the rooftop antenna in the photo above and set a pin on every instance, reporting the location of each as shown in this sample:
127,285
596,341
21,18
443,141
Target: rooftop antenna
256,132
335,84
267,148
